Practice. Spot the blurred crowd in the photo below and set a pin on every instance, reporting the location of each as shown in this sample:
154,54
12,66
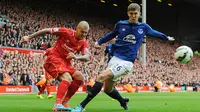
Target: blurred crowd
26,69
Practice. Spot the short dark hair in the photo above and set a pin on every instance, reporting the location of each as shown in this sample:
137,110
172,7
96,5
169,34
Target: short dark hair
133,7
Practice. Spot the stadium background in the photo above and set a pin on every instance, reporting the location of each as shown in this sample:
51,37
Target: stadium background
24,17
21,64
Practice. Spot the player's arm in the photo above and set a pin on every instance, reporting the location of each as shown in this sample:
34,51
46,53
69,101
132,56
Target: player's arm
86,55
53,31
109,36
155,33
38,33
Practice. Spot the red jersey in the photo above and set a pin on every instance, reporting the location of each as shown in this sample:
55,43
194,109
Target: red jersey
67,42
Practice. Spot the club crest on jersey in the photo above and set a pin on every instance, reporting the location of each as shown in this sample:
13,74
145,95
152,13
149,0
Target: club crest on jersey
130,38
140,31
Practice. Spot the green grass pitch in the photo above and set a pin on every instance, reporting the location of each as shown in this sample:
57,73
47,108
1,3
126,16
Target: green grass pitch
139,102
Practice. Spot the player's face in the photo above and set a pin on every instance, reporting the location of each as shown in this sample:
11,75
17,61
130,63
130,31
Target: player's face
133,16
81,33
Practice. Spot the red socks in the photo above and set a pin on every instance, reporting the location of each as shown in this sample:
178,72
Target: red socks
62,89
42,89
72,89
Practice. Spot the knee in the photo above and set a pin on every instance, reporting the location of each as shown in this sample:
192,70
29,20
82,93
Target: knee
101,78
66,76
77,75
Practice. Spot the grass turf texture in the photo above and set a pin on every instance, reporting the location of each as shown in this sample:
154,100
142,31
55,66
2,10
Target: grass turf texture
139,102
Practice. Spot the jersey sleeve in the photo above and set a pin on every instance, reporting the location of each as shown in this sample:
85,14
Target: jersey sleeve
59,31
155,33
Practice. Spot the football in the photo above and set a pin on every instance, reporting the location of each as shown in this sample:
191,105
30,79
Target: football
183,54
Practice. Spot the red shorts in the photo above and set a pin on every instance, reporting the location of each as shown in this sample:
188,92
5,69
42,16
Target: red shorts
56,66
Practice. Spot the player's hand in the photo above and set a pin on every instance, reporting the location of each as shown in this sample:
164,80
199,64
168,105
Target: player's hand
71,56
25,39
97,46
171,38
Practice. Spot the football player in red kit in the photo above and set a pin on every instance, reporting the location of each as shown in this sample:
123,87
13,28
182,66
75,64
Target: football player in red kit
58,62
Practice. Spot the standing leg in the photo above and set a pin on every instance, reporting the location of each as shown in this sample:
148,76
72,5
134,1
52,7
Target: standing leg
61,91
76,83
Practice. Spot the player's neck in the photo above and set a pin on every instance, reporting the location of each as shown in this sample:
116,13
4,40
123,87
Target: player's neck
133,22
76,36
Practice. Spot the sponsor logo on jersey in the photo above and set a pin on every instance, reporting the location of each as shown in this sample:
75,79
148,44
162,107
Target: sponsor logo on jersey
130,38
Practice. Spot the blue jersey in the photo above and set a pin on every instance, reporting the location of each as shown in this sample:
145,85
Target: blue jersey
129,38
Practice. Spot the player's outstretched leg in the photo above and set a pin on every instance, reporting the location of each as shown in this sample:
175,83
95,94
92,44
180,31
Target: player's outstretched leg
113,93
94,90
116,95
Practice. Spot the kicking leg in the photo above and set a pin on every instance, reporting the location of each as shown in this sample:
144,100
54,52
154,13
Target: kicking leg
113,93
107,74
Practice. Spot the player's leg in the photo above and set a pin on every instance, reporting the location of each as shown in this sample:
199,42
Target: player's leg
49,88
156,89
63,87
48,84
41,90
75,84
113,93
66,80
117,67
42,84
107,74
58,69
88,87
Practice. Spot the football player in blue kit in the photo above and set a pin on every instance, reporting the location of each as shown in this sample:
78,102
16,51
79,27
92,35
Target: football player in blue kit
129,36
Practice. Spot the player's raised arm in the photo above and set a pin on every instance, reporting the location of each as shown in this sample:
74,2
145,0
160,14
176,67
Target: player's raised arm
53,31
155,33
40,32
